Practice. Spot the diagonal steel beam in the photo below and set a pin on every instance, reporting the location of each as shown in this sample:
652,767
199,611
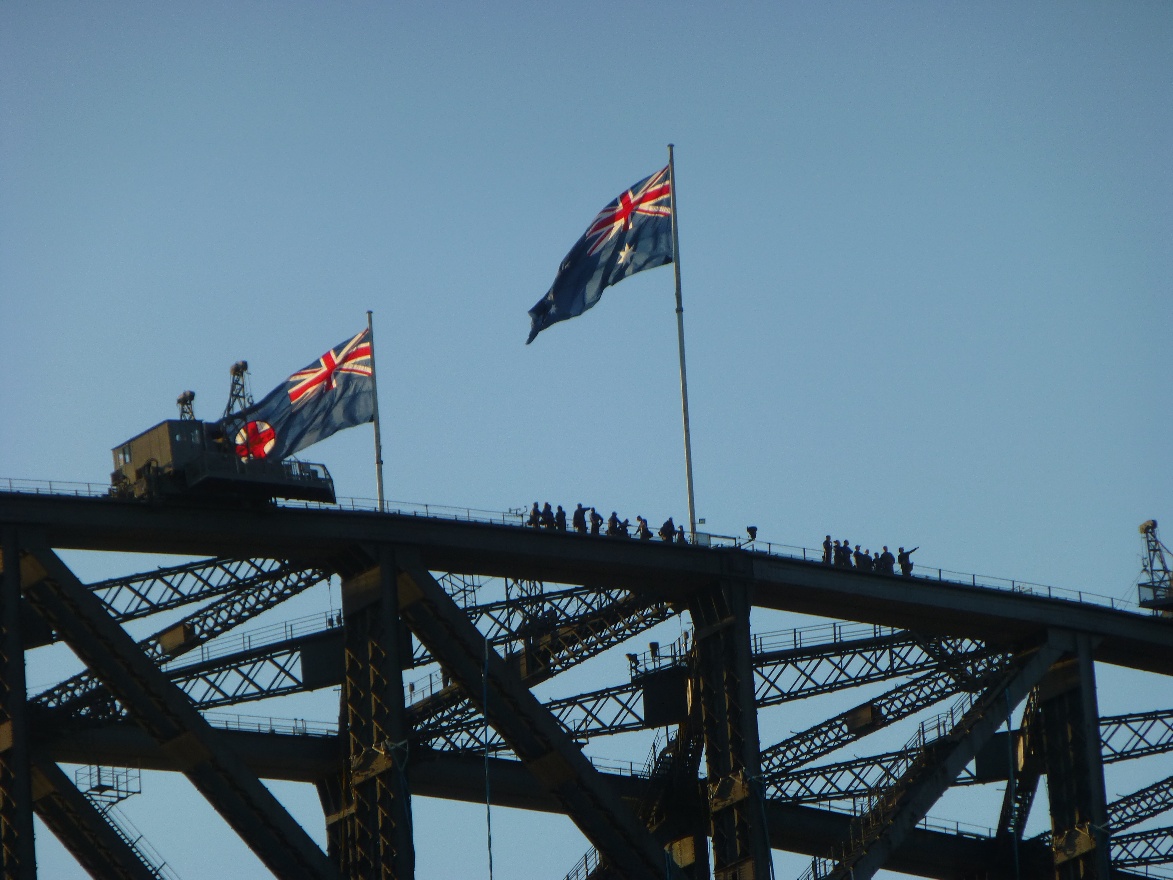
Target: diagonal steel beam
895,812
1132,809
81,692
304,662
854,778
166,714
799,672
529,729
859,777
1136,735
834,733
781,676
82,829
598,713
559,636
141,595
1142,848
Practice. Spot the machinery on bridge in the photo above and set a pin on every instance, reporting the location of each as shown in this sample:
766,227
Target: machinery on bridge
190,458
1156,583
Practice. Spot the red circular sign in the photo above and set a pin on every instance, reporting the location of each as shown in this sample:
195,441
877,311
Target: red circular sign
255,440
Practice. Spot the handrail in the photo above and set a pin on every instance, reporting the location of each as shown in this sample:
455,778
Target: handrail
264,724
134,838
260,637
516,518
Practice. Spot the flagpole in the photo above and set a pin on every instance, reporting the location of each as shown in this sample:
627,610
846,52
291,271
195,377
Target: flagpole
375,392
680,338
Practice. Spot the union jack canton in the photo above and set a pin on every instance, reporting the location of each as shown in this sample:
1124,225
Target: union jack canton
352,357
631,234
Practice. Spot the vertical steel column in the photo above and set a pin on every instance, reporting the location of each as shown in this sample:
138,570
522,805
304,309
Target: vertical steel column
1075,773
17,853
1092,759
377,836
741,848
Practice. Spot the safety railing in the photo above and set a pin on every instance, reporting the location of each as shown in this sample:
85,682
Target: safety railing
264,724
660,656
517,517
824,866
426,686
108,785
133,838
260,637
53,487
620,767
512,517
818,634
585,866
944,575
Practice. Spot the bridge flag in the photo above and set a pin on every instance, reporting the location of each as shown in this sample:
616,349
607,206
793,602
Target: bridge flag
633,233
337,391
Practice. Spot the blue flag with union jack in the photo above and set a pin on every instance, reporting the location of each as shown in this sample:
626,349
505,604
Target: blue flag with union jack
335,392
631,234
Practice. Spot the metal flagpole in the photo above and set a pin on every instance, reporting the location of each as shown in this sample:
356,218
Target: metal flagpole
375,391
680,337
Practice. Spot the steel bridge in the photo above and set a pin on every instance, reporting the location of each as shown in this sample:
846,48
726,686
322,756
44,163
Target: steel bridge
944,666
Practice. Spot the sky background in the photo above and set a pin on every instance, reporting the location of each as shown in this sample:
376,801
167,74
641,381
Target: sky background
925,253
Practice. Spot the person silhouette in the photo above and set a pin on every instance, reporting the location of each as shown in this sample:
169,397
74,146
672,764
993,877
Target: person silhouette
641,529
904,557
668,530
596,521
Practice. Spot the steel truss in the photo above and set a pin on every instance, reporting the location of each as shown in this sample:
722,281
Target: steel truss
1143,848
410,600
141,595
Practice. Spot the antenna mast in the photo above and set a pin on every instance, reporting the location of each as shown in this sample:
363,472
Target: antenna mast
238,396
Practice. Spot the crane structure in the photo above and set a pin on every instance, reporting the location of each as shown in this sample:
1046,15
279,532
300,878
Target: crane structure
1156,582
447,627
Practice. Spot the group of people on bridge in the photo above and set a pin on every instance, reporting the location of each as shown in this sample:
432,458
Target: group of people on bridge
585,518
840,555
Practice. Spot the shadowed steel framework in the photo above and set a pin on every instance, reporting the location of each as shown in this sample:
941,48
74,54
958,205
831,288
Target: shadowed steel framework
983,687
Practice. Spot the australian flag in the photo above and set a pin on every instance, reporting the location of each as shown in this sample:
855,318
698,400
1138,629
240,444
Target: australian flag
335,392
631,234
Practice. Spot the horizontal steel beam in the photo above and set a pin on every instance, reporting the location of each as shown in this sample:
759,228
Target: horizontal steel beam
793,827
667,570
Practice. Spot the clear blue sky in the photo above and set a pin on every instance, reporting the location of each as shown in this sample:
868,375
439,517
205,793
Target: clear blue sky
925,247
